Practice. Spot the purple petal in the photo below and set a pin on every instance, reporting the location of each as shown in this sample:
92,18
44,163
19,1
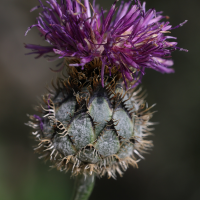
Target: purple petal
135,40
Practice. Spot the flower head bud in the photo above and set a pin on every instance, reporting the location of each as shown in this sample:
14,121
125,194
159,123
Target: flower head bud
87,128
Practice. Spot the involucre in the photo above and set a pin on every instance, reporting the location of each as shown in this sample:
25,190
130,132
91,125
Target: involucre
89,128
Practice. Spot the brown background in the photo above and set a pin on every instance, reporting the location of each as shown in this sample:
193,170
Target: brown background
170,171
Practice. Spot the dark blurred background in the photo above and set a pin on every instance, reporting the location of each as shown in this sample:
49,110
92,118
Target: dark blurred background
170,171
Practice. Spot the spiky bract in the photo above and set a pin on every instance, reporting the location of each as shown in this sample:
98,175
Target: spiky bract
90,129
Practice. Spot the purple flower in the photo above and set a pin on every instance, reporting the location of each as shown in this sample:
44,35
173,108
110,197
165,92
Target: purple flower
132,41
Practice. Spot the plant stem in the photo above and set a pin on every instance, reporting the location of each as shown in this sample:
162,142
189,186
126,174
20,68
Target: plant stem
83,187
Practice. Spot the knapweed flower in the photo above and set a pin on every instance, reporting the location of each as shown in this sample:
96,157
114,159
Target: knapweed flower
131,41
94,122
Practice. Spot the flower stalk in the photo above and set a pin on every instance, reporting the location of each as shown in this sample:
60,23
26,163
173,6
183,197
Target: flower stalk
83,187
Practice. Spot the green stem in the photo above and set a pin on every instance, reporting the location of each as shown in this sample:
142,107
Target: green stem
83,187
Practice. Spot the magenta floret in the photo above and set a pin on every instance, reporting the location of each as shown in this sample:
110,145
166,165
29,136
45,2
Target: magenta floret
132,41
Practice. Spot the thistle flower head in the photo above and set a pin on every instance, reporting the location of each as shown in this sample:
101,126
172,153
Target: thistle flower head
132,41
